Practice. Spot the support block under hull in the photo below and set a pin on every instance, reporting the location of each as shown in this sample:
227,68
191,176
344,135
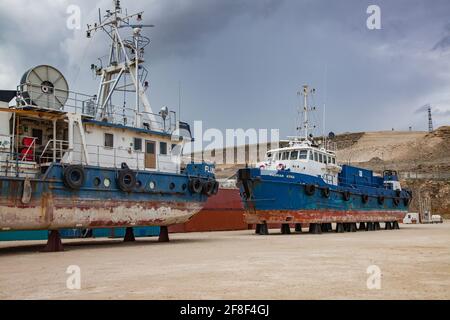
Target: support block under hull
322,216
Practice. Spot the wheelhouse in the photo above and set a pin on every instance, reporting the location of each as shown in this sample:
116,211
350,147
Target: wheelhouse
306,158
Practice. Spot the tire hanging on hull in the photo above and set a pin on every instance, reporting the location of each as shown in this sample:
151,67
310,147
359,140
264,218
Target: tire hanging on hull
310,189
195,185
126,180
73,177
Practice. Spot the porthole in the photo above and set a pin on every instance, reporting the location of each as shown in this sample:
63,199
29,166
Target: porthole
107,183
138,184
152,185
184,186
97,181
172,186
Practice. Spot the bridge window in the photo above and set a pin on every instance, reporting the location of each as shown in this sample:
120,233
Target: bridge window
109,140
303,154
137,144
294,155
311,155
320,158
163,148
285,156
316,157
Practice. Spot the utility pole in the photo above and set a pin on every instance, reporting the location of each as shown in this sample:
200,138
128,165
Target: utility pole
430,120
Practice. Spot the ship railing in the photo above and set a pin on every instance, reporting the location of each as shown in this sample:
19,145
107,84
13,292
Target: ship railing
25,149
11,165
114,157
30,151
434,175
330,145
31,96
186,159
151,121
53,151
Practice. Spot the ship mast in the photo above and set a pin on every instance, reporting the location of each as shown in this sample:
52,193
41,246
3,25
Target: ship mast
126,58
304,127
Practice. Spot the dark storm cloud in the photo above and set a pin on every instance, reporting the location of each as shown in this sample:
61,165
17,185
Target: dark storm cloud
36,32
241,61
422,109
182,23
444,43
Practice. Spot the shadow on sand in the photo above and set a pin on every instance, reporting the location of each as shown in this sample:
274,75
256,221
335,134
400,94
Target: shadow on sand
72,245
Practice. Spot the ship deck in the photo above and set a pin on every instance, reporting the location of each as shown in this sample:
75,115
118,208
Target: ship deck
414,262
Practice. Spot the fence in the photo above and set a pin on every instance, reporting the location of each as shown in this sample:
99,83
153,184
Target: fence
437,175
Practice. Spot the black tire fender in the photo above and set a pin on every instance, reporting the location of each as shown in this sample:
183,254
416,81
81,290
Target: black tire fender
396,201
406,201
310,189
126,180
365,198
216,187
208,188
74,176
326,192
195,185
346,195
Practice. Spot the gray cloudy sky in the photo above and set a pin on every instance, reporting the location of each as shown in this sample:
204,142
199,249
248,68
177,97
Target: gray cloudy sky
241,62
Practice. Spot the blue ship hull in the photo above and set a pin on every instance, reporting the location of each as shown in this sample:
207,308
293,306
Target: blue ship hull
159,199
289,197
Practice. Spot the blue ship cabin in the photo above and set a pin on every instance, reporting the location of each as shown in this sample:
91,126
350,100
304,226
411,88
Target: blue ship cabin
356,176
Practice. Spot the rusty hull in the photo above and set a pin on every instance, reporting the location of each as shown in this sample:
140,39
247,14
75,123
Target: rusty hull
321,216
52,212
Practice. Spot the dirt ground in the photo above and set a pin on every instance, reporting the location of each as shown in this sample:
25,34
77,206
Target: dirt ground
414,262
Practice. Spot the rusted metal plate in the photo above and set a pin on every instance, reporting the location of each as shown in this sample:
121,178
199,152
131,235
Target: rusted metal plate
222,212
50,213
321,216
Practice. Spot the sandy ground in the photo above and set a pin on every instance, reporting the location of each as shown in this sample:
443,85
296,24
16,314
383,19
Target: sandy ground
414,261
386,145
